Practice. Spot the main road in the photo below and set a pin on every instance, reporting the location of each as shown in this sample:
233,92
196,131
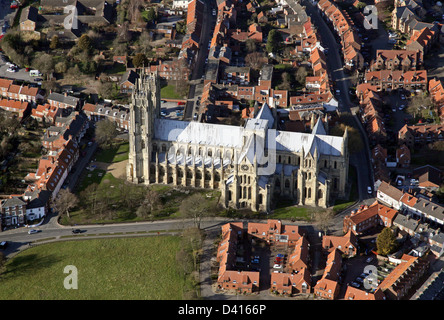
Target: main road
19,239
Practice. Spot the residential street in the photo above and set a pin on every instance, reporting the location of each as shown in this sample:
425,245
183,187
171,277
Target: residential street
199,68
360,160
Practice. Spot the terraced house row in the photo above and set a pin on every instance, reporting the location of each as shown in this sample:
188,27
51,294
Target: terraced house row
344,27
231,278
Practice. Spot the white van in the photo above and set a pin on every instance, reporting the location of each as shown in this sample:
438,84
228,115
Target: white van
35,73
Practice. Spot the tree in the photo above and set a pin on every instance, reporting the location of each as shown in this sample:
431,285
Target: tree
255,60
152,201
386,242
106,89
192,243
250,44
323,219
417,103
151,15
273,41
196,207
140,60
144,43
105,132
61,67
286,81
45,63
54,42
181,27
65,201
124,34
355,143
85,43
300,75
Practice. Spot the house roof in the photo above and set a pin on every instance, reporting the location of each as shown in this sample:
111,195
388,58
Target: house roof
58,97
390,191
353,293
29,13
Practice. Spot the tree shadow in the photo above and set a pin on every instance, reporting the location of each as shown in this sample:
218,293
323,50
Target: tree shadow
30,262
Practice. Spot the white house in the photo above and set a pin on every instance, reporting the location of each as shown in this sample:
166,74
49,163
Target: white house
180,4
389,195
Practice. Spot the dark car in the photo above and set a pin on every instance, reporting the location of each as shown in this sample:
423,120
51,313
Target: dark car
3,244
76,231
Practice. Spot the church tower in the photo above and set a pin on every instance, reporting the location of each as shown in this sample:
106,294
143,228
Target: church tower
144,109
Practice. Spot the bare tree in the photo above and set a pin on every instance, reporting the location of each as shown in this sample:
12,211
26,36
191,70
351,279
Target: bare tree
417,103
255,60
151,202
323,219
300,75
65,201
196,207
105,132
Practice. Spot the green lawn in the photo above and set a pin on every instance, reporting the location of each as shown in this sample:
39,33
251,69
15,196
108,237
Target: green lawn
96,176
118,152
108,269
169,92
292,212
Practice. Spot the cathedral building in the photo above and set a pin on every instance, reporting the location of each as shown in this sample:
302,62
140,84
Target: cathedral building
251,164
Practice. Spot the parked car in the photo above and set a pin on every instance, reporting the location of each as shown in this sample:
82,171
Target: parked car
255,261
369,190
3,244
280,255
369,260
11,69
277,266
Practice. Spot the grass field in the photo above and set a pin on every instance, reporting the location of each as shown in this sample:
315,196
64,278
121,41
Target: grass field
117,153
108,269
169,92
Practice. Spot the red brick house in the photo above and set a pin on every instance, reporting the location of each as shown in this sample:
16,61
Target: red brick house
347,244
274,232
291,283
353,293
328,287
369,217
401,279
